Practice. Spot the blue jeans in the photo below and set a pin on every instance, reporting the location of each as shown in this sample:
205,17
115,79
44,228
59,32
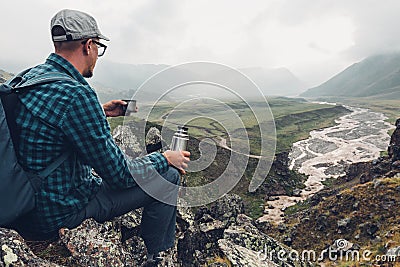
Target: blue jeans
158,219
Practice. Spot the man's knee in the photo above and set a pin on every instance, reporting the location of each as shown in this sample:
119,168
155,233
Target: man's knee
172,175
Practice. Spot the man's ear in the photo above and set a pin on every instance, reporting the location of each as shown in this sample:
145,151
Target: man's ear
87,47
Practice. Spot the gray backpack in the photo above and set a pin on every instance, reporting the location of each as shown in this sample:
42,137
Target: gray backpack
18,188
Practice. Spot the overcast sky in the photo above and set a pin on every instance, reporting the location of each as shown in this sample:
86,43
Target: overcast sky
315,39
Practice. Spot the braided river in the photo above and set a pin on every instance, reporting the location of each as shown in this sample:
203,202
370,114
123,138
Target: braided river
357,137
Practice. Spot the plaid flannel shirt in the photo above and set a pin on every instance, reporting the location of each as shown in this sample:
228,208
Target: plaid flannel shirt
67,115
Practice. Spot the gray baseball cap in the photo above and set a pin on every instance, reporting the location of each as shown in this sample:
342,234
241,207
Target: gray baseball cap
77,25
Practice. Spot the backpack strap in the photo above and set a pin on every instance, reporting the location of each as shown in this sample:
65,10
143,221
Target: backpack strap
19,84
18,78
23,84
55,164
37,179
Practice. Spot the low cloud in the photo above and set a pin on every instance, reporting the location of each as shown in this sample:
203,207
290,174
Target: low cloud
314,39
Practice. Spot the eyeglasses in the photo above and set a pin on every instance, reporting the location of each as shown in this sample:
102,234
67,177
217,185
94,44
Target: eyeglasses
101,48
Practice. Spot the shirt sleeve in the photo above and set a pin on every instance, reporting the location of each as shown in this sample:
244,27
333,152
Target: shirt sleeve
86,127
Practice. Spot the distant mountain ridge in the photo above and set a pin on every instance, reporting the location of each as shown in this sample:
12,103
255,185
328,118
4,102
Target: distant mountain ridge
113,80
376,76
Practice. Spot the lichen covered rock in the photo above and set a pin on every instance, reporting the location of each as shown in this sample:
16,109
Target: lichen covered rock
394,145
15,252
127,141
104,244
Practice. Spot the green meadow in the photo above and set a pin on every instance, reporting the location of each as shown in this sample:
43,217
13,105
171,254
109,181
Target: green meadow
291,120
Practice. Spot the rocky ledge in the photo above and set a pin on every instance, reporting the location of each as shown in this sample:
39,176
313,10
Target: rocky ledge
216,235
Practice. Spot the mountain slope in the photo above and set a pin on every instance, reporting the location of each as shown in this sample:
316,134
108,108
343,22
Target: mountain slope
4,76
377,76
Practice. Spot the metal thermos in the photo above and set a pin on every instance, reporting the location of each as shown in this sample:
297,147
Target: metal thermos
180,139
179,143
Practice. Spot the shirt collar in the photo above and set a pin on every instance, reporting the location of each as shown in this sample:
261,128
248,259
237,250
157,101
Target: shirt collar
65,66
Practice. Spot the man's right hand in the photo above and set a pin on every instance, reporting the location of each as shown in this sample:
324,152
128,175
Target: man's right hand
178,159
113,108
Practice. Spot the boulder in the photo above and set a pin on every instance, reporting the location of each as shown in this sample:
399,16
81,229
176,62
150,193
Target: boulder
95,244
244,245
394,145
15,252
199,243
240,256
227,208
127,141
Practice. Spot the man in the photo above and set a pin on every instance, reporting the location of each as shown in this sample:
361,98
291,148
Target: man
66,116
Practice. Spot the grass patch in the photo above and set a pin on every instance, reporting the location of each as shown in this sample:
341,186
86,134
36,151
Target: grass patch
300,206
254,206
329,182
114,122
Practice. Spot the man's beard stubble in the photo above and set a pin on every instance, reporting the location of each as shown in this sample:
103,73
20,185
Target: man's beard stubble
88,74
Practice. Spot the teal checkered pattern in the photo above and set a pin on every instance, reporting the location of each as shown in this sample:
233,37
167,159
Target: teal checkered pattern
67,114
